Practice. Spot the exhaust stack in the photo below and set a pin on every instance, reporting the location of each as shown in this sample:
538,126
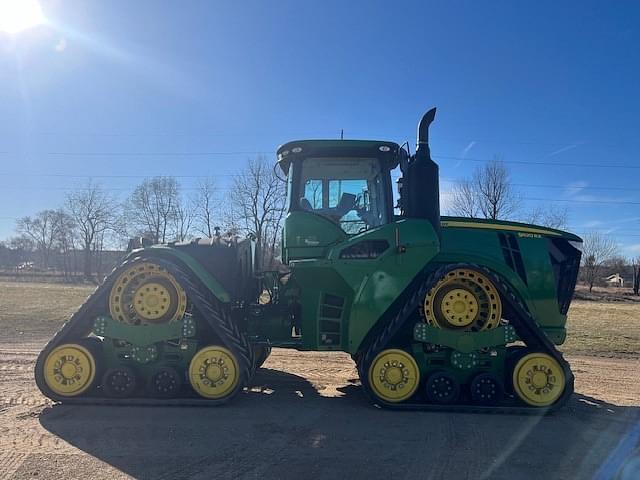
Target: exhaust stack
421,190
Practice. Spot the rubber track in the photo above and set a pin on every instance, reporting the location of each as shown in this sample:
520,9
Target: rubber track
524,324
215,312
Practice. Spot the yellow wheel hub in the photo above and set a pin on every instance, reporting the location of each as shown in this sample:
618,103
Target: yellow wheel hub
147,293
214,372
538,379
459,306
394,375
463,299
151,301
69,370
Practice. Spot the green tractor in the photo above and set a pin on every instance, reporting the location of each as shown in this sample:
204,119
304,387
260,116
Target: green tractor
437,312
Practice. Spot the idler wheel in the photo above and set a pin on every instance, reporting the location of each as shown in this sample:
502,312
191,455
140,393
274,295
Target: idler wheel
394,375
214,372
70,369
538,379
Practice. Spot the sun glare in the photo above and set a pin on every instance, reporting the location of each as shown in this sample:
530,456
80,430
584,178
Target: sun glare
18,15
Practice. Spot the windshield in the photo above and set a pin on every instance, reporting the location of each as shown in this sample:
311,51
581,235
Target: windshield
349,191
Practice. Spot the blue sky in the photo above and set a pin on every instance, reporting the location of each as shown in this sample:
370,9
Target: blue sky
118,88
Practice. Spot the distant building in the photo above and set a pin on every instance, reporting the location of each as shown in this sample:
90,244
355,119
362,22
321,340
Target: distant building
614,280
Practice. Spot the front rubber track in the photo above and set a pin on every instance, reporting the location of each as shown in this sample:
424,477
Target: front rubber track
215,312
403,310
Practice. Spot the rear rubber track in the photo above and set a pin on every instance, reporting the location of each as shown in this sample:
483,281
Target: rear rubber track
524,324
216,314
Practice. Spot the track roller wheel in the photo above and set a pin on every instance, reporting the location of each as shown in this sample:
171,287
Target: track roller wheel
165,382
394,375
486,389
119,382
214,373
70,369
260,354
442,388
538,379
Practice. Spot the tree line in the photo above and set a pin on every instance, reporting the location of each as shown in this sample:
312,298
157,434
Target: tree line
75,236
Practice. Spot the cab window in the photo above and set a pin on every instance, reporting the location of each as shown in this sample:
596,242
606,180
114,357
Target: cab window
348,191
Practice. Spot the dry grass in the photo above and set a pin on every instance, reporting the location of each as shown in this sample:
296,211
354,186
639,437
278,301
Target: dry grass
610,329
30,310
36,310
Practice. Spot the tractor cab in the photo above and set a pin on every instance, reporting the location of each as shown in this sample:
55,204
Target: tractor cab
341,188
336,189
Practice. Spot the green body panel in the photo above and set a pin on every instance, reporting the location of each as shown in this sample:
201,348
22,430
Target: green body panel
481,246
368,286
307,235
205,277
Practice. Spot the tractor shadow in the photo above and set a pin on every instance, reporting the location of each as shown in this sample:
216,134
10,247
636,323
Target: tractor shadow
283,427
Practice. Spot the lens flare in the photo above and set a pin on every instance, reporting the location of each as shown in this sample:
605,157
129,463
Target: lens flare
19,15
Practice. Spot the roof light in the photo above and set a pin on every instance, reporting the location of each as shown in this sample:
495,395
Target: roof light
296,149
384,148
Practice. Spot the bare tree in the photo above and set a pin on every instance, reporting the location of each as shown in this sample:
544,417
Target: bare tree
257,203
549,216
42,229
152,207
65,241
496,198
597,249
464,202
488,193
184,215
23,246
94,212
205,206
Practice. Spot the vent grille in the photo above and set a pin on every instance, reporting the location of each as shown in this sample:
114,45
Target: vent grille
512,255
565,261
330,321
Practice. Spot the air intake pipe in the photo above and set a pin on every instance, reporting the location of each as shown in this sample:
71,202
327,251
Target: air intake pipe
421,190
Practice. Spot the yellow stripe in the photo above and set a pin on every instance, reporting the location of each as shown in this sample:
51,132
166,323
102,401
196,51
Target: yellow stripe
495,226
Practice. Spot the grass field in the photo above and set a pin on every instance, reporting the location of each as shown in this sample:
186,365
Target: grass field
31,311
610,329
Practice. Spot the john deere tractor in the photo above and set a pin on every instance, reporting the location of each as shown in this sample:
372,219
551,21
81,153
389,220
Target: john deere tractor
437,312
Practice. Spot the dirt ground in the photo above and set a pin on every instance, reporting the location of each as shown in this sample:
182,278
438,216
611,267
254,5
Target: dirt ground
306,417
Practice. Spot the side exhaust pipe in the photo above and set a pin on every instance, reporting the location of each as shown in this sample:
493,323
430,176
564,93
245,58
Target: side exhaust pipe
421,184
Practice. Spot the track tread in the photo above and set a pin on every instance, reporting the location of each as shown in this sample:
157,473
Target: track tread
524,323
216,313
